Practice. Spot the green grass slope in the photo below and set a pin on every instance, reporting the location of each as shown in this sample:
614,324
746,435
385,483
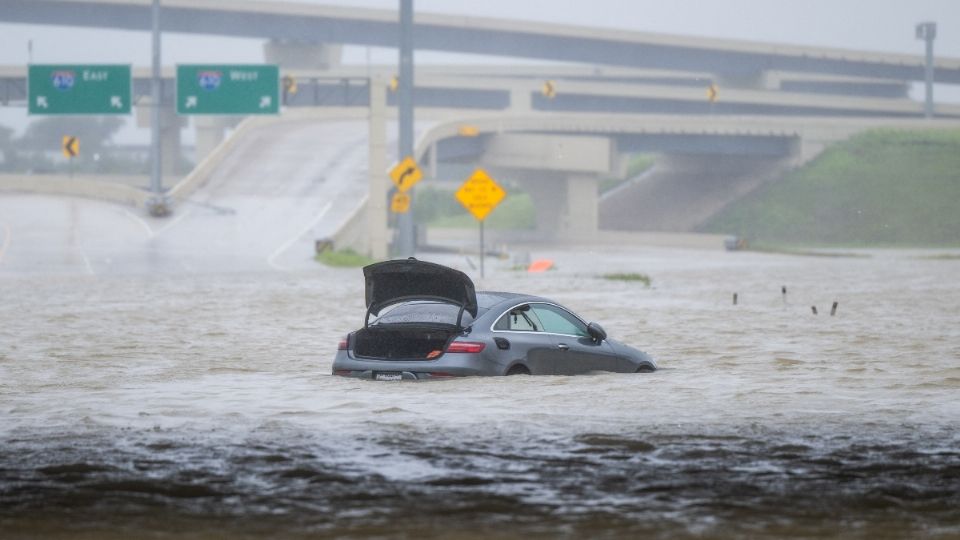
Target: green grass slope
879,188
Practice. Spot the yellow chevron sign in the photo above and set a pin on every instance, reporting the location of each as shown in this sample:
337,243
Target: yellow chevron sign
70,146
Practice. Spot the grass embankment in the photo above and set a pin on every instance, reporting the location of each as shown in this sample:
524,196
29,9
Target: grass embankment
344,258
879,188
632,276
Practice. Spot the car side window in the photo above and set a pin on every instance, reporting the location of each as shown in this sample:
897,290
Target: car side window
559,321
519,320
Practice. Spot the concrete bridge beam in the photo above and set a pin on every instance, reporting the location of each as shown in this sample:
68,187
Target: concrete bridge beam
566,153
302,55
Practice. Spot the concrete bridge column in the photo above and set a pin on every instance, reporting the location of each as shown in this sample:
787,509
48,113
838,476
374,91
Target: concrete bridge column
210,132
377,233
580,223
548,202
566,206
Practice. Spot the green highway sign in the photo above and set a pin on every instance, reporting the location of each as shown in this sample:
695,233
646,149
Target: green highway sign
228,89
78,89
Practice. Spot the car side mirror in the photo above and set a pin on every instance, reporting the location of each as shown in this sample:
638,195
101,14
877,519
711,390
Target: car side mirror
596,331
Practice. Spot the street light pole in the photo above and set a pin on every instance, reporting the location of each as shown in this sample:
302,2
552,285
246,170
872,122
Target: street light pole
927,31
406,240
156,205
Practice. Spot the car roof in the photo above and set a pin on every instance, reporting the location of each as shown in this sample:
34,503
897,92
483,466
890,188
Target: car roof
489,299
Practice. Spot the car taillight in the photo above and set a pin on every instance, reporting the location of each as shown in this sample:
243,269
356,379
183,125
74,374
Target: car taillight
465,347
344,344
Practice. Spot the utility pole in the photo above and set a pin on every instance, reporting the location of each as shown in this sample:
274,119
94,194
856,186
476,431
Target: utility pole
927,31
156,204
406,241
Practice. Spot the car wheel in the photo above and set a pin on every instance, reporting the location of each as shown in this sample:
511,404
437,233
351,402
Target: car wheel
645,368
518,369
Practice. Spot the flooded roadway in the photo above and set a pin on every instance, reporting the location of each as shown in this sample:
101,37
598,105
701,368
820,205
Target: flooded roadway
201,405
171,378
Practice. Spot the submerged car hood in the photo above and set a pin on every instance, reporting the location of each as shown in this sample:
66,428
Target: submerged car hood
390,282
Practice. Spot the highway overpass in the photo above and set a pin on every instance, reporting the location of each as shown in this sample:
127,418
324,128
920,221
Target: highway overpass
746,62
496,88
779,105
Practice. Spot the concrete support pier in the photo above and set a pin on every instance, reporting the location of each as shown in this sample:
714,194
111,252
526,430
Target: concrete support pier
377,237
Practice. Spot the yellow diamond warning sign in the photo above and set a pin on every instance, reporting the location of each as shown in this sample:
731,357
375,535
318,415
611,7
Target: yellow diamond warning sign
406,174
480,194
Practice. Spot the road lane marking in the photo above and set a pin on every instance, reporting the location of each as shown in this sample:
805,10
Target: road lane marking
141,222
6,240
86,261
286,245
173,223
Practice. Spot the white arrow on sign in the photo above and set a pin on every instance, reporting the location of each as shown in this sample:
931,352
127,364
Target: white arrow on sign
265,102
42,102
191,102
116,102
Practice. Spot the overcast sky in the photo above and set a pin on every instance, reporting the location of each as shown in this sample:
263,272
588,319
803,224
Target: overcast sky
872,25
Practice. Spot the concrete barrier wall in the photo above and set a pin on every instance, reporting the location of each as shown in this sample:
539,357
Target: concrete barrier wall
467,240
352,233
88,187
201,173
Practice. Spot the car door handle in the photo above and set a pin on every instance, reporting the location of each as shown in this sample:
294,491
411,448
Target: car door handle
563,347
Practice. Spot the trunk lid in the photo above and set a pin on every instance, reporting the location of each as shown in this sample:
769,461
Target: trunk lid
390,282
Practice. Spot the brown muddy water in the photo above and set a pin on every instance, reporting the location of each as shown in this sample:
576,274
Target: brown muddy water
202,406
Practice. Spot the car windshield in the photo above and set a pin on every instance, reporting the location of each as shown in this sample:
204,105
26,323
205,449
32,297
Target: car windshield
422,312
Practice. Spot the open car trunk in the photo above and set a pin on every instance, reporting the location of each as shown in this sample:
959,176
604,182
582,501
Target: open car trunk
402,343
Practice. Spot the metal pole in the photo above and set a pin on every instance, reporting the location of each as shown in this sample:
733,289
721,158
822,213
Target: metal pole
156,182
927,31
928,77
406,241
481,249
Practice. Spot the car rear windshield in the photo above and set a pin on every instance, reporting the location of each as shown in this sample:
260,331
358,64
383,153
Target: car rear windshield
422,312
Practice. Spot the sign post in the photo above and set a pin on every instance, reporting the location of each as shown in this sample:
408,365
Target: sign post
78,89
480,194
228,89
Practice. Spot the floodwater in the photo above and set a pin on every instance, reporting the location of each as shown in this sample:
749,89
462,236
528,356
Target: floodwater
201,405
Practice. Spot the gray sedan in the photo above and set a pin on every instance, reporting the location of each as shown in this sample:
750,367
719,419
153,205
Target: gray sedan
425,321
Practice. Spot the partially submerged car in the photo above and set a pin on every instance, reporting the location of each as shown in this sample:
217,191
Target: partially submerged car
426,321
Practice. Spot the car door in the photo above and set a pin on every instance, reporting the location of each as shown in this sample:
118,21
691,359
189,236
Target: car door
577,352
521,332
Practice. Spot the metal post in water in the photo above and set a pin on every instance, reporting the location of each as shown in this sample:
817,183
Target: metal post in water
406,238
734,298
813,309
833,310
